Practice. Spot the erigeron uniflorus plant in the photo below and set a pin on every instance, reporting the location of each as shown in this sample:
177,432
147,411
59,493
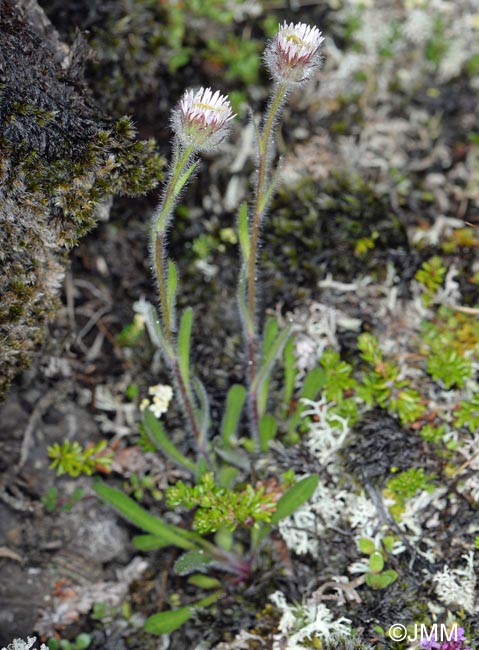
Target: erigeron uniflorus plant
200,122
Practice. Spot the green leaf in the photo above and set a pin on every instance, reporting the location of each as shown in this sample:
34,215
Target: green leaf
190,562
290,370
234,404
227,476
155,331
367,545
208,600
224,538
313,382
172,286
201,468
139,517
234,457
265,199
274,351
270,333
148,542
373,580
381,580
203,414
267,431
258,533
184,178
388,577
82,641
298,494
243,231
184,338
157,434
167,622
244,312
203,582
376,562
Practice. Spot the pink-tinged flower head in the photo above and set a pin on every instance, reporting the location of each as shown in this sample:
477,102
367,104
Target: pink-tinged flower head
202,118
294,53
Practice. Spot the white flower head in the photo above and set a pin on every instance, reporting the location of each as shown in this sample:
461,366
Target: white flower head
294,53
162,395
202,118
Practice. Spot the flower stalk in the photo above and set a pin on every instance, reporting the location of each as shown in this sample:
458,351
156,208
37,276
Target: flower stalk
159,225
265,140
200,122
291,57
181,161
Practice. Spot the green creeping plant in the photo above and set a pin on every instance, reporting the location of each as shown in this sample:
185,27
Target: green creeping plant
377,577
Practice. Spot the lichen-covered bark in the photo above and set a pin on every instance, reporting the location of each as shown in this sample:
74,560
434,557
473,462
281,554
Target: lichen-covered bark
59,158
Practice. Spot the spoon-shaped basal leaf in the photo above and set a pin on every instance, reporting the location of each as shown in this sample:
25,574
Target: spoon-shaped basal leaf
298,494
137,515
234,405
158,436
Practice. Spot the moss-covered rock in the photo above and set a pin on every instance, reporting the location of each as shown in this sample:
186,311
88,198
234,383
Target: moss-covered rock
60,158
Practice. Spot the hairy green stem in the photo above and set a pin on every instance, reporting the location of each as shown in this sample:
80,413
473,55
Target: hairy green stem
265,140
158,234
159,226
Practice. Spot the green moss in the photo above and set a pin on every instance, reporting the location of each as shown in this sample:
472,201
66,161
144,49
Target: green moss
61,158
312,231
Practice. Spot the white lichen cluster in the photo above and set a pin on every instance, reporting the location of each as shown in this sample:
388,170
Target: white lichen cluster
327,431
470,486
387,67
330,505
458,586
405,31
19,644
113,413
338,502
309,620
316,327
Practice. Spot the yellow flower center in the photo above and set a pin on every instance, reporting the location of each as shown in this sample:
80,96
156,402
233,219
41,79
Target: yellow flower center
208,107
296,39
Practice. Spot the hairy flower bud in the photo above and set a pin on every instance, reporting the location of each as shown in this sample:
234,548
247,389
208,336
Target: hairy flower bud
201,119
294,53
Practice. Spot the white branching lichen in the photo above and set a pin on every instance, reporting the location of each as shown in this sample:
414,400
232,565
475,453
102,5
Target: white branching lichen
327,432
306,621
458,586
19,644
